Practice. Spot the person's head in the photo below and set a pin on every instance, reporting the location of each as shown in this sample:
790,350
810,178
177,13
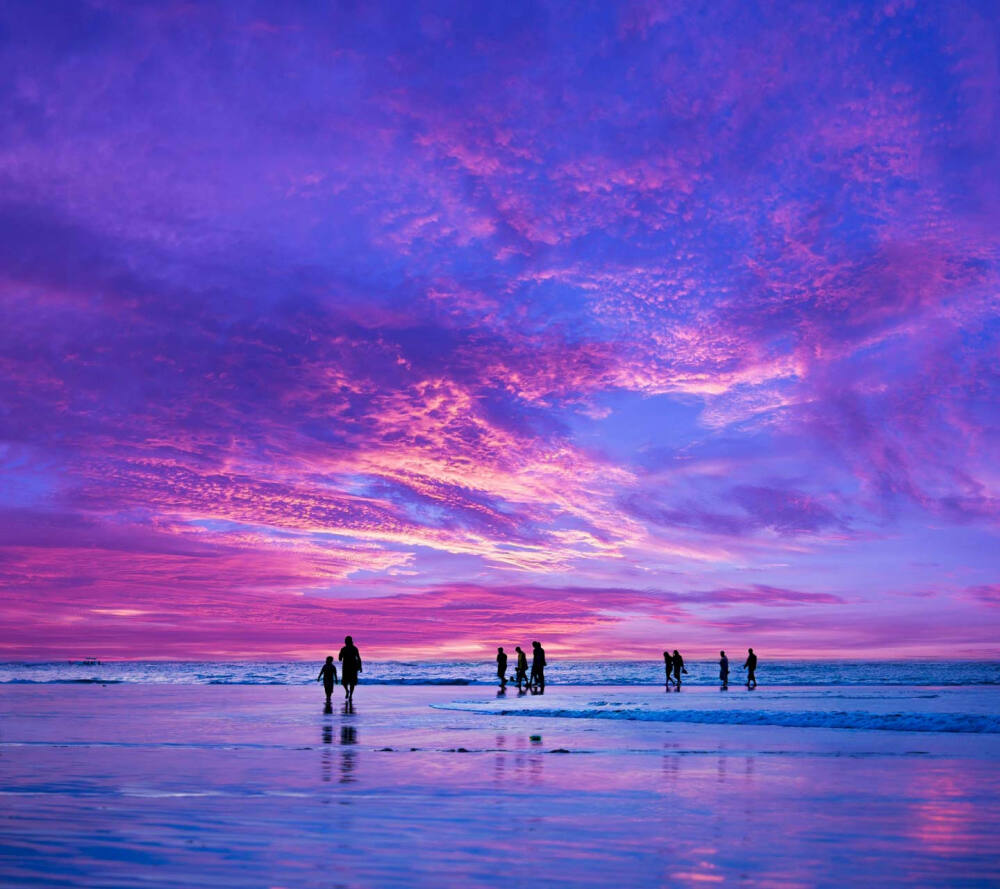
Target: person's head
676,652
329,658
348,640
499,649
722,654
517,648
666,654
750,650
535,644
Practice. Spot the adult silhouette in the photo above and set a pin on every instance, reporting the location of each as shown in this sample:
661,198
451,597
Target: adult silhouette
502,667
521,670
678,667
723,669
668,666
538,667
751,667
350,658
328,676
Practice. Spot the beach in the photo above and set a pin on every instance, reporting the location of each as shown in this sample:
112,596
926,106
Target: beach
183,785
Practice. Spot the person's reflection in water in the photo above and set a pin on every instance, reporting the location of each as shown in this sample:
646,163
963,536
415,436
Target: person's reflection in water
349,706
328,708
500,761
348,738
325,761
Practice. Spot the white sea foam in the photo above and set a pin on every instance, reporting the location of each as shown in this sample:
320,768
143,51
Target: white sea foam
475,673
841,719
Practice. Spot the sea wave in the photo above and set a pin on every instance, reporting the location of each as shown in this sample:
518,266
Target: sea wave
965,723
633,674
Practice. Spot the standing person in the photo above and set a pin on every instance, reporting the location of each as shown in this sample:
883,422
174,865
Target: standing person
538,667
668,665
328,675
521,671
724,669
678,667
751,667
502,667
350,657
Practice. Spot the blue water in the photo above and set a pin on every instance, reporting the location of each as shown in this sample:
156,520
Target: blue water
586,673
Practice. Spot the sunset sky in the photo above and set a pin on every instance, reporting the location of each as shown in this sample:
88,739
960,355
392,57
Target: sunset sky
616,325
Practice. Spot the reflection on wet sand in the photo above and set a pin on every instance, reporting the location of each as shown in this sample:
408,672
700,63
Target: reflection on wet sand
325,766
348,739
227,799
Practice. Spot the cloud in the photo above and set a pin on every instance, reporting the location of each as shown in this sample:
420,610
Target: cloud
413,302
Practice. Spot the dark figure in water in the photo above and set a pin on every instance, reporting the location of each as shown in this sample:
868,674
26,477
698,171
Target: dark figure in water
668,665
350,657
678,667
521,670
723,669
328,674
751,667
502,667
538,667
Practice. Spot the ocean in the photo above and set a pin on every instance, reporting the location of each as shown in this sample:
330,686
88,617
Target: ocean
588,673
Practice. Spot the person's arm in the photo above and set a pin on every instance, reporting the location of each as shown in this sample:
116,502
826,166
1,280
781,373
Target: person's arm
318,678
360,668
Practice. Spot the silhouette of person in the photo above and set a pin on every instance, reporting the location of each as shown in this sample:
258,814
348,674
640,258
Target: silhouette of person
678,667
724,669
751,667
328,675
538,667
502,666
668,665
521,670
350,657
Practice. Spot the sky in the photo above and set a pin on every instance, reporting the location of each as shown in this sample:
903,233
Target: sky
621,326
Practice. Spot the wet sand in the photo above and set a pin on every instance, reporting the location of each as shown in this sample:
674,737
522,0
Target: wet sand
255,786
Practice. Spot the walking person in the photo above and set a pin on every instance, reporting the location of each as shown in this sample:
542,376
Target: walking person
724,669
678,667
350,658
328,676
751,667
538,668
521,670
502,667
668,665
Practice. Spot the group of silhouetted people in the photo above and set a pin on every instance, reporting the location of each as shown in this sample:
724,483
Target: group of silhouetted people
536,683
674,665
350,660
